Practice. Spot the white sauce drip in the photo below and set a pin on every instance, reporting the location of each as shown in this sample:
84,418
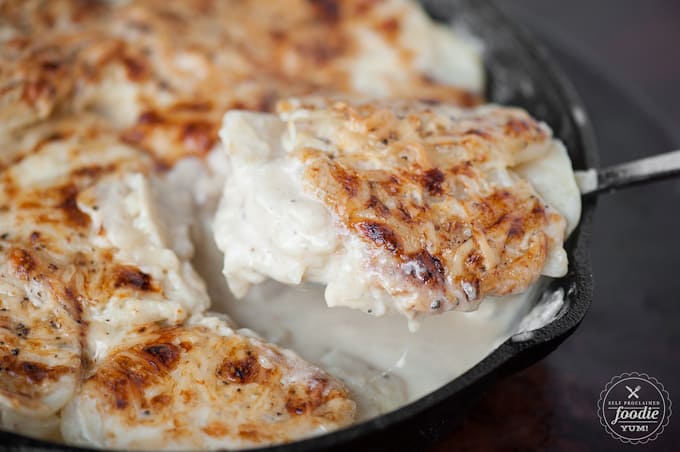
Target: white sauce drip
541,315
586,180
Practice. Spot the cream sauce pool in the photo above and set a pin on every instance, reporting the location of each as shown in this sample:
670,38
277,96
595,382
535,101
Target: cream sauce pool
383,364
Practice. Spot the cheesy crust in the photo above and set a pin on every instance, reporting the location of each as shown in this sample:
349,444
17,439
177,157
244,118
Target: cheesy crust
164,71
431,191
397,205
203,386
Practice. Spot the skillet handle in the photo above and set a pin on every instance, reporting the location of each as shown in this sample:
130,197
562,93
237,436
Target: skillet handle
650,169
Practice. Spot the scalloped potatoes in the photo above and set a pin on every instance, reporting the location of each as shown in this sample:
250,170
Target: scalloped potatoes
396,206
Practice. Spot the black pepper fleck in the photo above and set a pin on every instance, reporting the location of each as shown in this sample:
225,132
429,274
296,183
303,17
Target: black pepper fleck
22,330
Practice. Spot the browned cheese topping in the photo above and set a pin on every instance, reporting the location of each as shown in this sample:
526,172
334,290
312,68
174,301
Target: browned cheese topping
431,191
192,387
164,72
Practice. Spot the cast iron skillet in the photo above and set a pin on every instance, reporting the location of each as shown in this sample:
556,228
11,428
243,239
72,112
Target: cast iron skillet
519,73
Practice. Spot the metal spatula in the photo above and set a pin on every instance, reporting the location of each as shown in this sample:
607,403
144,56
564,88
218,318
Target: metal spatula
650,169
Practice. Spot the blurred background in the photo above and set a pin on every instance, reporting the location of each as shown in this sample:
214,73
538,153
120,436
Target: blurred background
634,43
623,57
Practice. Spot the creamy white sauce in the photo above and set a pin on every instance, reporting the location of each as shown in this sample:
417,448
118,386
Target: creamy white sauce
383,364
542,314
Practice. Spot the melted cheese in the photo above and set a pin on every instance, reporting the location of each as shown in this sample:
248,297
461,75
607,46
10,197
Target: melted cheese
270,224
202,386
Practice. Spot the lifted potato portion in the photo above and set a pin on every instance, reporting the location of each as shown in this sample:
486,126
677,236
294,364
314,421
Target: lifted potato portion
203,386
394,205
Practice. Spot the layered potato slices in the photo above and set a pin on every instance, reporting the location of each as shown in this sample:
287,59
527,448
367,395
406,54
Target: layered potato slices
403,206
202,386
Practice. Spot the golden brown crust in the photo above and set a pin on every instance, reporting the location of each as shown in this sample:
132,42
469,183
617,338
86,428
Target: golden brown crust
193,387
50,272
165,57
40,334
429,189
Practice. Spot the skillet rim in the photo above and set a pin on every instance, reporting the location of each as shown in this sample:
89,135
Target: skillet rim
511,355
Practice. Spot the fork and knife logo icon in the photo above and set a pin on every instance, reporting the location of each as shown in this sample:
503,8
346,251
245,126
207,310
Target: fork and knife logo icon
633,392
634,408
